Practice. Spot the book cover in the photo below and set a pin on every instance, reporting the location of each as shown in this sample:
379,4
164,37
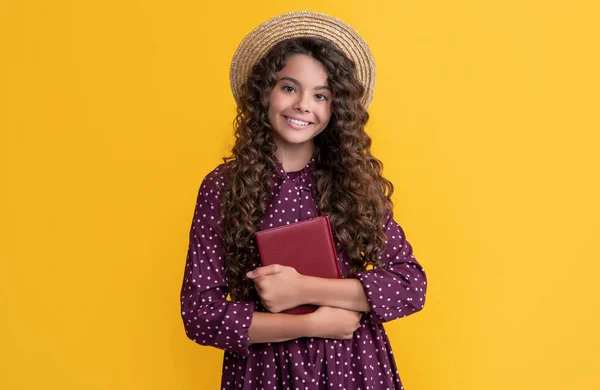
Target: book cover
307,246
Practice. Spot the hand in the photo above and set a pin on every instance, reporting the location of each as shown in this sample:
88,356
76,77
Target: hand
334,323
279,287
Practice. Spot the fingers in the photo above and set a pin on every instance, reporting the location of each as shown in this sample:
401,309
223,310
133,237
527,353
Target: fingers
264,271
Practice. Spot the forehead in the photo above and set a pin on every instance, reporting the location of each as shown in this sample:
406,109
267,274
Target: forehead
305,69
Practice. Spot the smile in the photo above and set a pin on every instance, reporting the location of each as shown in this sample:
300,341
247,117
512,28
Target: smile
297,122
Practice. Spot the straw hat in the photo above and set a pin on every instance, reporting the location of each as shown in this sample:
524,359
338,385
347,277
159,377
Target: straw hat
302,24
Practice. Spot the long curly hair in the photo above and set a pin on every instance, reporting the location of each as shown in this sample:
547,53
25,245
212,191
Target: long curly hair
350,188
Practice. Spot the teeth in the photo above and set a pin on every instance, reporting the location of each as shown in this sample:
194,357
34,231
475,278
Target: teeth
297,122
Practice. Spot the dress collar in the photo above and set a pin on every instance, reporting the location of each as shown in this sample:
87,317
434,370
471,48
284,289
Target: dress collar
303,173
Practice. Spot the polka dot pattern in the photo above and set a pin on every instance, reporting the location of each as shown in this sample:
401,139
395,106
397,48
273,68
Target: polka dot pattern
366,362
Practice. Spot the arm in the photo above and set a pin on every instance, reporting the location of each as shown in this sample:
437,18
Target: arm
208,317
272,328
326,322
281,287
398,288
343,293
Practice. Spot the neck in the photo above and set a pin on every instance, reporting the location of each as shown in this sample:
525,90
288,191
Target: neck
294,159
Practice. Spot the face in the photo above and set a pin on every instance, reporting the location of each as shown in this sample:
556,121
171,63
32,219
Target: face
299,104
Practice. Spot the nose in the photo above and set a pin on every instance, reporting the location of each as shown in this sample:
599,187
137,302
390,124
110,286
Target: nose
302,103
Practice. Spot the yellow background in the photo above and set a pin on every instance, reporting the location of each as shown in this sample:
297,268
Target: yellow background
485,116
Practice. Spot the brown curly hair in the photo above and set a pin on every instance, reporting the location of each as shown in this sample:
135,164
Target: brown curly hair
349,185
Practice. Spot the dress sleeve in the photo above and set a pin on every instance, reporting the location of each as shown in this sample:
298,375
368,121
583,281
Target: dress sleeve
208,317
398,288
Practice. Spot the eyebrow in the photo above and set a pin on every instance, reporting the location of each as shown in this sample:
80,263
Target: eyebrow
293,80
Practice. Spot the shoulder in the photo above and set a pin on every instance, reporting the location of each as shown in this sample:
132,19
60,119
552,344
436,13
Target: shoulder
215,178
213,183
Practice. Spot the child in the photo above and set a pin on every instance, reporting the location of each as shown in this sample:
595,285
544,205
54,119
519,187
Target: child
302,82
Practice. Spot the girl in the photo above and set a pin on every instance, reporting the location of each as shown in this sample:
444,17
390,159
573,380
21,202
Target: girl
300,151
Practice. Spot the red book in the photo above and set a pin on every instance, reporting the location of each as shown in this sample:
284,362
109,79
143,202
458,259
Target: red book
306,245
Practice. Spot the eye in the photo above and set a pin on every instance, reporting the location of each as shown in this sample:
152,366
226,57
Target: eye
288,88
320,96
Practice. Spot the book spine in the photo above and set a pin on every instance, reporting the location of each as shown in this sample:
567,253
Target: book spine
332,246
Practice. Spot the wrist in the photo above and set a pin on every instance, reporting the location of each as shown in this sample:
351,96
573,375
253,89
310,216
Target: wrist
310,293
304,290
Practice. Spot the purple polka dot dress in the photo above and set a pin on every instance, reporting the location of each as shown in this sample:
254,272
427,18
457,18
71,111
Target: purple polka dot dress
365,362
